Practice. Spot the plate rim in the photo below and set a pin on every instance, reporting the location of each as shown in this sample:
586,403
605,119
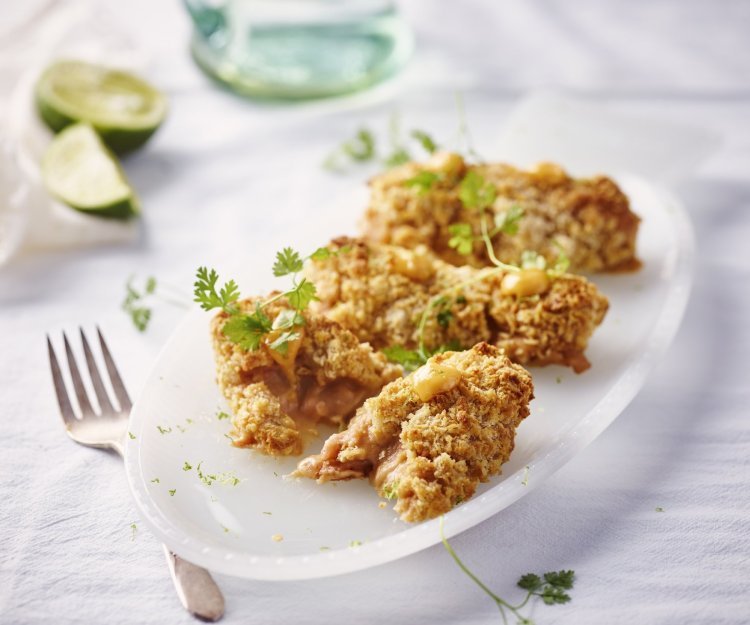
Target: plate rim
426,534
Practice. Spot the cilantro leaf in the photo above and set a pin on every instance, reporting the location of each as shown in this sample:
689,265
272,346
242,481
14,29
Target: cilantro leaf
287,261
281,343
133,304
423,181
462,238
206,295
399,156
444,318
361,147
507,222
551,589
532,260
390,491
552,595
288,319
301,295
560,579
247,331
450,346
530,581
425,140
475,192
562,262
409,359
322,253
140,316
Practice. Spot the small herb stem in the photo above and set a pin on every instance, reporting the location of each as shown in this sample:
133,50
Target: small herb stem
271,300
463,128
524,602
487,238
500,602
481,275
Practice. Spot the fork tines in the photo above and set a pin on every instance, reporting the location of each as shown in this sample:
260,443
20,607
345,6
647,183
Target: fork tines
106,408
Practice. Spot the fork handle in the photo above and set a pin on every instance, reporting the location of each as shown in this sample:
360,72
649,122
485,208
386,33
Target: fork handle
196,589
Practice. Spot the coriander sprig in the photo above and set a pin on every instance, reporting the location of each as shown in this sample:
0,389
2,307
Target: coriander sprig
204,290
138,302
133,305
363,147
551,587
250,330
360,148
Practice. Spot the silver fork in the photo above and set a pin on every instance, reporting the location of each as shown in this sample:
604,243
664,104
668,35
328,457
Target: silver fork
107,429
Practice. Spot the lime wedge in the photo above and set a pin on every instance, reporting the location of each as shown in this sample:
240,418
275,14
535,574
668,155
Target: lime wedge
124,109
79,170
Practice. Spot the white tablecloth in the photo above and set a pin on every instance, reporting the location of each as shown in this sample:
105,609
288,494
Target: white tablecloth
67,550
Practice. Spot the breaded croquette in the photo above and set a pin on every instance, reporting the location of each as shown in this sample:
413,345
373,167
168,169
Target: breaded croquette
324,375
380,292
588,219
431,438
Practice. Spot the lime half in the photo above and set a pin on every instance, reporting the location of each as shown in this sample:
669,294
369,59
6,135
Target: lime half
79,170
124,109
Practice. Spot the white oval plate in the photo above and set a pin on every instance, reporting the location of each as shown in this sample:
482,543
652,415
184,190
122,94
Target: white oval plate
229,529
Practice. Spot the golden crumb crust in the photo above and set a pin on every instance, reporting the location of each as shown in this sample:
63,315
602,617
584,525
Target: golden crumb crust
589,219
432,453
379,292
324,376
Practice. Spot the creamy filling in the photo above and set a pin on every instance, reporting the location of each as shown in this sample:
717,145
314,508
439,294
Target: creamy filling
306,400
353,453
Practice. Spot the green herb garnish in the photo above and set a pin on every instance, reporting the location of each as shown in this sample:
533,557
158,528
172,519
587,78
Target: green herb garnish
551,587
287,261
204,291
423,181
133,304
475,192
227,478
462,238
389,491
249,330
360,148
222,415
399,154
425,140
172,492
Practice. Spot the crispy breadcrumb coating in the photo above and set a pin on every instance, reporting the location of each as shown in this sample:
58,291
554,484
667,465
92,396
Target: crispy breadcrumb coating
379,293
324,376
431,438
589,219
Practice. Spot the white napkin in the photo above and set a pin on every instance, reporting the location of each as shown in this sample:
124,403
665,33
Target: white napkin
31,220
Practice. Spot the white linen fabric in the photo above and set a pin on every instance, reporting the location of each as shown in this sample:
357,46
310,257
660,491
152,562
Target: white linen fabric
67,550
